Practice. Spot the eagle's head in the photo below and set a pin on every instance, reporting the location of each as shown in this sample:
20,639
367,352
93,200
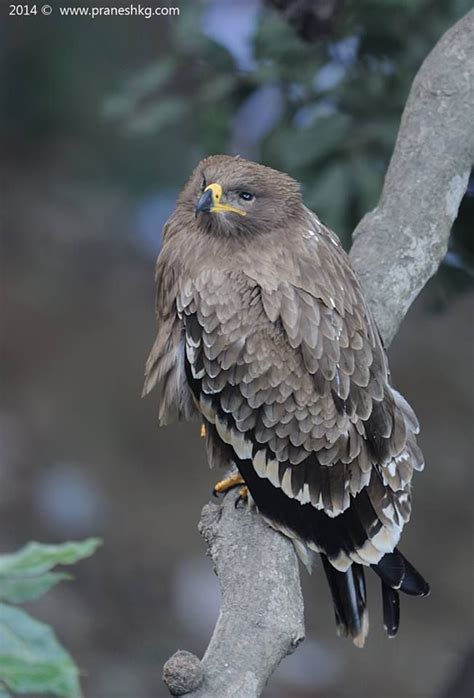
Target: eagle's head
232,196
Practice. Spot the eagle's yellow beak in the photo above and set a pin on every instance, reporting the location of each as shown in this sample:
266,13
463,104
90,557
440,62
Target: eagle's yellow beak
210,201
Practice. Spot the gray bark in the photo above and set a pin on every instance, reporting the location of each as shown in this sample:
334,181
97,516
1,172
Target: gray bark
261,617
397,247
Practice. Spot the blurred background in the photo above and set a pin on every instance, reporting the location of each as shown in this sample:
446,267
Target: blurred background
103,120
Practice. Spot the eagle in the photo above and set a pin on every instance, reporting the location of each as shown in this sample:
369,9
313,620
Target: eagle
263,331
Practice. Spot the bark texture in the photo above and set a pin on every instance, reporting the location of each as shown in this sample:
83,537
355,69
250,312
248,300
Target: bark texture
261,616
399,245
397,248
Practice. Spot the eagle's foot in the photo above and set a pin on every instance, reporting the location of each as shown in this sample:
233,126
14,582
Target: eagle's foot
228,483
203,431
243,496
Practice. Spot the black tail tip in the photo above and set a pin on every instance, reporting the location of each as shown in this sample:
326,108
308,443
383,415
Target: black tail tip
396,572
391,610
349,597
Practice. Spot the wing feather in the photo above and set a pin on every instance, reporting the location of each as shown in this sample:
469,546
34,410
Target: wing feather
165,366
291,371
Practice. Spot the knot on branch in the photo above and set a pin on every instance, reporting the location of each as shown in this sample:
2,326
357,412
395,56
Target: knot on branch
262,606
182,673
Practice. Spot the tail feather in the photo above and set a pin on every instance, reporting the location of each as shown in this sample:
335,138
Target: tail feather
349,598
396,572
391,609
349,594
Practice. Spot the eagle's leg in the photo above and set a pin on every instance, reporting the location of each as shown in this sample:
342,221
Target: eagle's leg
244,496
228,483
243,493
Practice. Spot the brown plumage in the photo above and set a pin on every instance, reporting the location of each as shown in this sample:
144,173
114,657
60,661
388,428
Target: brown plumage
263,330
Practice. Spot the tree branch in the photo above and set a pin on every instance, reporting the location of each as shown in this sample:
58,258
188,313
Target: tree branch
397,247
400,244
261,617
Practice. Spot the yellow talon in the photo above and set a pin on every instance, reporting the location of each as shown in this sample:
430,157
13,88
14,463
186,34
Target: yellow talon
244,492
228,483
203,431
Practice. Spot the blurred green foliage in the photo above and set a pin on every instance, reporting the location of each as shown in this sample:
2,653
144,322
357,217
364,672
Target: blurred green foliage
31,658
341,99
341,156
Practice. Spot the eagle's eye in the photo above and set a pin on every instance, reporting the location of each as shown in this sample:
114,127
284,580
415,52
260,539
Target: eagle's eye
246,196
203,183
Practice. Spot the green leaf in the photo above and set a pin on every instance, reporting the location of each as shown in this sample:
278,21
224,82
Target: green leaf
35,558
368,180
302,147
329,196
21,589
158,115
25,575
31,658
148,81
151,78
